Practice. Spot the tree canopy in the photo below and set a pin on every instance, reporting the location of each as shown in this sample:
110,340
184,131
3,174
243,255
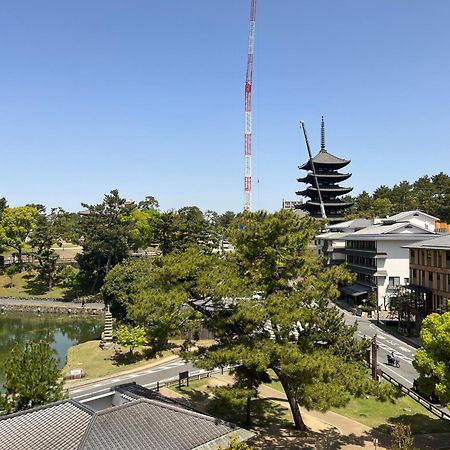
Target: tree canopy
32,378
428,194
268,305
16,225
432,359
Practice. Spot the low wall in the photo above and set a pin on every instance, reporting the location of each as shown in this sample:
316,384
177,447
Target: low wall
65,308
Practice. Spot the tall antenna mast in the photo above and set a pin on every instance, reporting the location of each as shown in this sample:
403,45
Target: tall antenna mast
311,162
248,112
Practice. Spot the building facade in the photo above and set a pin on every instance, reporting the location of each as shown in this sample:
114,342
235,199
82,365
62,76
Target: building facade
429,265
379,257
327,176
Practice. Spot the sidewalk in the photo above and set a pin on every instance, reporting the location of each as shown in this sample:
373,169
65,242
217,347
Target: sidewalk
413,341
330,430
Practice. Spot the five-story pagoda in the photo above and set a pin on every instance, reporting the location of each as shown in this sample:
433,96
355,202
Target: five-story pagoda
328,176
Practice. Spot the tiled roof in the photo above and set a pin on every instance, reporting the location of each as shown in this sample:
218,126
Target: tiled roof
407,214
144,423
355,223
57,426
137,391
323,157
401,230
438,243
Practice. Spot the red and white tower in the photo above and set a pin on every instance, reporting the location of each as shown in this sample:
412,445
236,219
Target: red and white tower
248,112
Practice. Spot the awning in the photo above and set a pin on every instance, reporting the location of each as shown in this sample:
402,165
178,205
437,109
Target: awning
355,290
418,288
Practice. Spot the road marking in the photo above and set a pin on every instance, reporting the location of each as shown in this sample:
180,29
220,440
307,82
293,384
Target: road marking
133,375
77,390
98,385
149,371
115,380
381,337
387,367
404,349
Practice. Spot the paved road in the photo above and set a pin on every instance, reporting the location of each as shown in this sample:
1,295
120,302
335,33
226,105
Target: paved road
387,343
146,377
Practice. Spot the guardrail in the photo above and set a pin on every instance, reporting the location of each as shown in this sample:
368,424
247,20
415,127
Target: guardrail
414,395
195,376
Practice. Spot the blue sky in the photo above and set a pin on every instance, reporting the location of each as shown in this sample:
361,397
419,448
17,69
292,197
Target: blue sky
147,97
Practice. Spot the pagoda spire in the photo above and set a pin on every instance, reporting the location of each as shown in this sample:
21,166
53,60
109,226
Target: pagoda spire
322,136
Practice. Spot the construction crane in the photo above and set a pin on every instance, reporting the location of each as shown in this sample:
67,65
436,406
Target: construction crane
311,162
248,112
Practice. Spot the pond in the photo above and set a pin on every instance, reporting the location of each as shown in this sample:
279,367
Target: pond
62,332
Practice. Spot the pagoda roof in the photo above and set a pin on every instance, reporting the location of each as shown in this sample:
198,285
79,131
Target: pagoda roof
325,158
337,189
336,176
335,203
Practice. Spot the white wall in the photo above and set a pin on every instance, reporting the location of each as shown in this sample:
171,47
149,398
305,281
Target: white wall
396,264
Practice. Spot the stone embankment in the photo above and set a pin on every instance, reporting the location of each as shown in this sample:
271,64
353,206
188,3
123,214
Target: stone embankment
42,306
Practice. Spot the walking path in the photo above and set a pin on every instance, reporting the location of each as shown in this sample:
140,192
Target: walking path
333,431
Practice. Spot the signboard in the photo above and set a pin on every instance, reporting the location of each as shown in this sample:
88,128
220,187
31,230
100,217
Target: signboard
183,376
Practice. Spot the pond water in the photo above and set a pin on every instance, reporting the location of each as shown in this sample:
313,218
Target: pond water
62,332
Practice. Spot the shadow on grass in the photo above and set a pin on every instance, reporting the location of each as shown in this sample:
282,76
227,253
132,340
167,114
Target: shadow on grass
124,359
33,286
419,423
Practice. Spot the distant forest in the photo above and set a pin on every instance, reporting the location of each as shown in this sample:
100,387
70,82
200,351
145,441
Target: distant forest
428,194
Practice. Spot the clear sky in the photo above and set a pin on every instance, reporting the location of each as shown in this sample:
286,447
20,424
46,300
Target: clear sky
146,96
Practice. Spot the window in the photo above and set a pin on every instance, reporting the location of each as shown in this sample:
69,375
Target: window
394,282
414,273
430,276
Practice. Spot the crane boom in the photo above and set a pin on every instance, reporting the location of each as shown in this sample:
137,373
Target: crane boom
322,207
248,111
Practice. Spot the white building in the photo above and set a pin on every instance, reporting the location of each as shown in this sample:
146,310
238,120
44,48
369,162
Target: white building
378,257
331,244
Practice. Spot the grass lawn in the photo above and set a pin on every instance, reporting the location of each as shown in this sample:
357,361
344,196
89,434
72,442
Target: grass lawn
264,413
25,286
99,363
380,415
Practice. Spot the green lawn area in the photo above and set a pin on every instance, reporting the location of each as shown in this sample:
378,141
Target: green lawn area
99,363
264,413
380,415
25,286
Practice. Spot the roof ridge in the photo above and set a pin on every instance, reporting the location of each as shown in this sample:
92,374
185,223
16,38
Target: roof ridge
48,406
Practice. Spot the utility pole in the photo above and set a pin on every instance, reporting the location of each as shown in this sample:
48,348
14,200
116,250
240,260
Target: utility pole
374,358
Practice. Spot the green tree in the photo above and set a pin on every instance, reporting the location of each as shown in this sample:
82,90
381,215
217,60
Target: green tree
32,377
243,390
382,207
234,444
10,271
16,225
124,283
43,238
3,205
130,337
401,437
105,236
269,307
432,359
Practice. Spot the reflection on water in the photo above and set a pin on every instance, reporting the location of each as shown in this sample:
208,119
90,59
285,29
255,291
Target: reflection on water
60,331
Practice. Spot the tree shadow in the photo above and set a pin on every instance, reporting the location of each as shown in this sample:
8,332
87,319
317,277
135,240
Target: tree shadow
124,359
34,286
287,437
419,423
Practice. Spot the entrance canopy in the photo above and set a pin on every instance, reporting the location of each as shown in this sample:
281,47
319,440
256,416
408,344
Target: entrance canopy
356,290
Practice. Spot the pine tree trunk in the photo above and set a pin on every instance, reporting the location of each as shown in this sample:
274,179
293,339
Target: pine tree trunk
249,399
295,409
